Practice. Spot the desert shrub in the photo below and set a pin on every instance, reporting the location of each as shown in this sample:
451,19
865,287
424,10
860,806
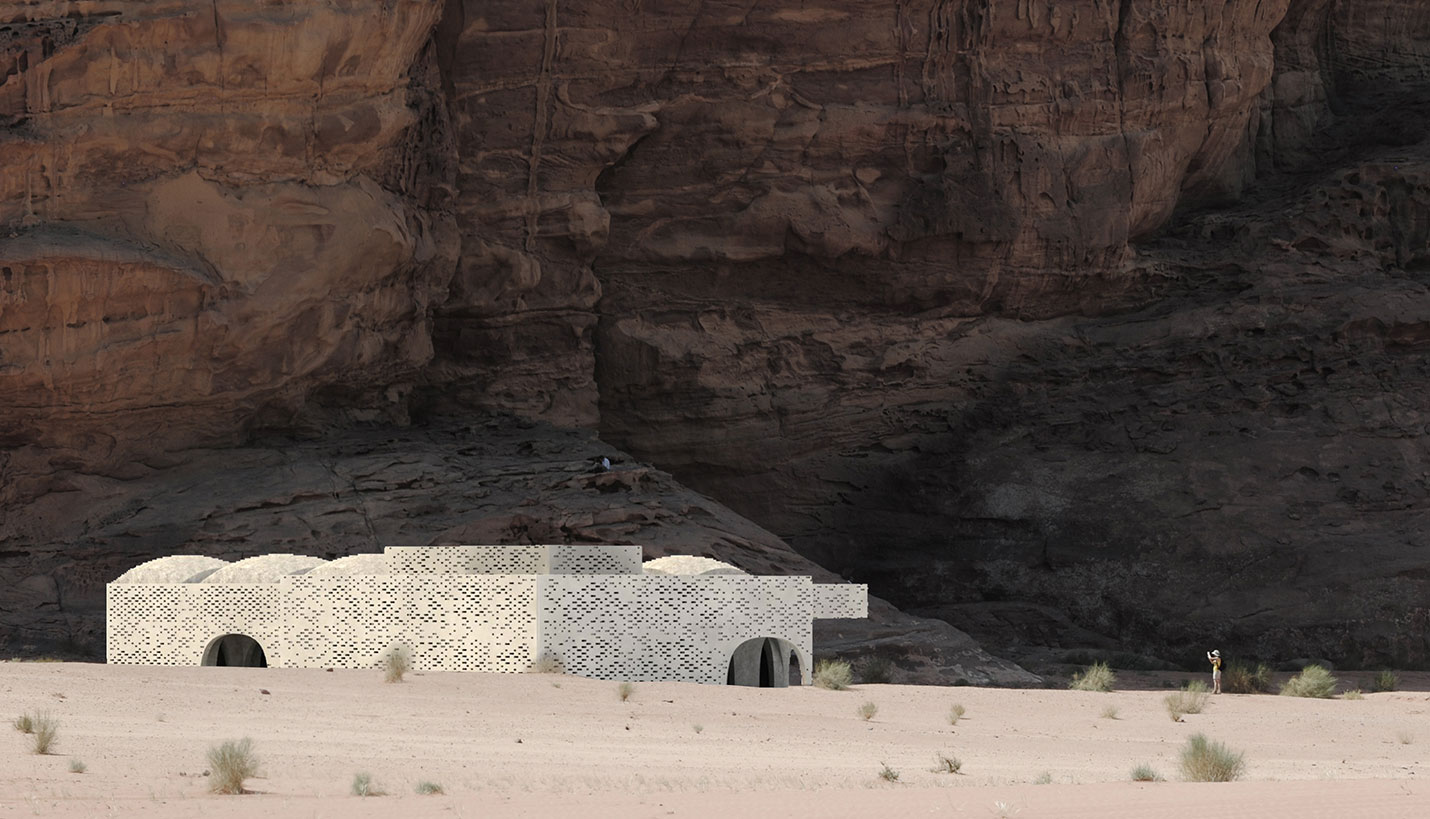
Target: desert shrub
955,714
1190,700
1405,737
1384,681
698,727
876,670
231,763
364,786
1353,694
625,690
1096,677
1241,678
1044,778
546,663
867,711
429,789
78,766
1207,761
43,731
25,724
1145,773
1110,712
395,664
1313,681
947,763
836,675
888,774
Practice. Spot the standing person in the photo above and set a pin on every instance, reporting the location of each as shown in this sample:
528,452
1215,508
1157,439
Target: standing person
1215,657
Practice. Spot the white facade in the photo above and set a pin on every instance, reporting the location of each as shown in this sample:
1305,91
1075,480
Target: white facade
594,611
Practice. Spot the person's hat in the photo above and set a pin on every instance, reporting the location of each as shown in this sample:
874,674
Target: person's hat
1216,652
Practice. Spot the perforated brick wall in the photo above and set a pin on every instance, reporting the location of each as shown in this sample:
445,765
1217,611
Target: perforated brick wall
448,623
832,600
538,559
172,623
668,628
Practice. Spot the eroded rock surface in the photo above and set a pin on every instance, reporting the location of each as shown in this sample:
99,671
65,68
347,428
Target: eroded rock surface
1095,323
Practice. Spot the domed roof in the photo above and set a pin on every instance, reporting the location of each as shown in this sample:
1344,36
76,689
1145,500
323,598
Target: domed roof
172,569
689,565
263,569
352,565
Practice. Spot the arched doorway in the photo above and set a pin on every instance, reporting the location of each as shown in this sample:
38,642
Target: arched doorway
764,662
235,650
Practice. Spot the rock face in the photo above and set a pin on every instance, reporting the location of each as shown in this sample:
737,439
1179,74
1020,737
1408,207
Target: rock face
1075,323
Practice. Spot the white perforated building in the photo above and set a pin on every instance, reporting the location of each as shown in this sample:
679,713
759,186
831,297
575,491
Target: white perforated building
592,611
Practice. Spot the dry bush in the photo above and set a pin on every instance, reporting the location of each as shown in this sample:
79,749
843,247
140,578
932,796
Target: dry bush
1144,773
395,664
867,711
1384,681
231,763
955,714
1241,678
25,724
1353,694
1190,700
698,727
625,690
44,729
1405,737
836,675
946,763
1044,778
888,774
429,789
1110,712
1096,677
1207,761
1313,681
364,786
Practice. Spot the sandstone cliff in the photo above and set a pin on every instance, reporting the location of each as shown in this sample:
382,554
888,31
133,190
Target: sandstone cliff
1072,323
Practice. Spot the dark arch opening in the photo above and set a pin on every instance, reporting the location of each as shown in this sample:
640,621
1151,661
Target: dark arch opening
235,650
760,662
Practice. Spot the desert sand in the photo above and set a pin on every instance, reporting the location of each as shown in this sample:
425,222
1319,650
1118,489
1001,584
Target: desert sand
545,745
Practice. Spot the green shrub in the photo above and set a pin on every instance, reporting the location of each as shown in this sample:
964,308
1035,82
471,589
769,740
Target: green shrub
395,663
547,663
1353,694
867,711
1096,677
955,714
625,690
78,766
25,724
1144,773
946,763
1313,681
1044,778
1241,678
1207,761
1384,681
44,730
429,789
230,764
836,675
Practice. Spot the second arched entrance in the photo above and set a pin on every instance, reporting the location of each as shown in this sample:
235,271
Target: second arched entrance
235,650
764,662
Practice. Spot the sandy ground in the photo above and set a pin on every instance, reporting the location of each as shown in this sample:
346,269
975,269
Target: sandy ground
542,745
